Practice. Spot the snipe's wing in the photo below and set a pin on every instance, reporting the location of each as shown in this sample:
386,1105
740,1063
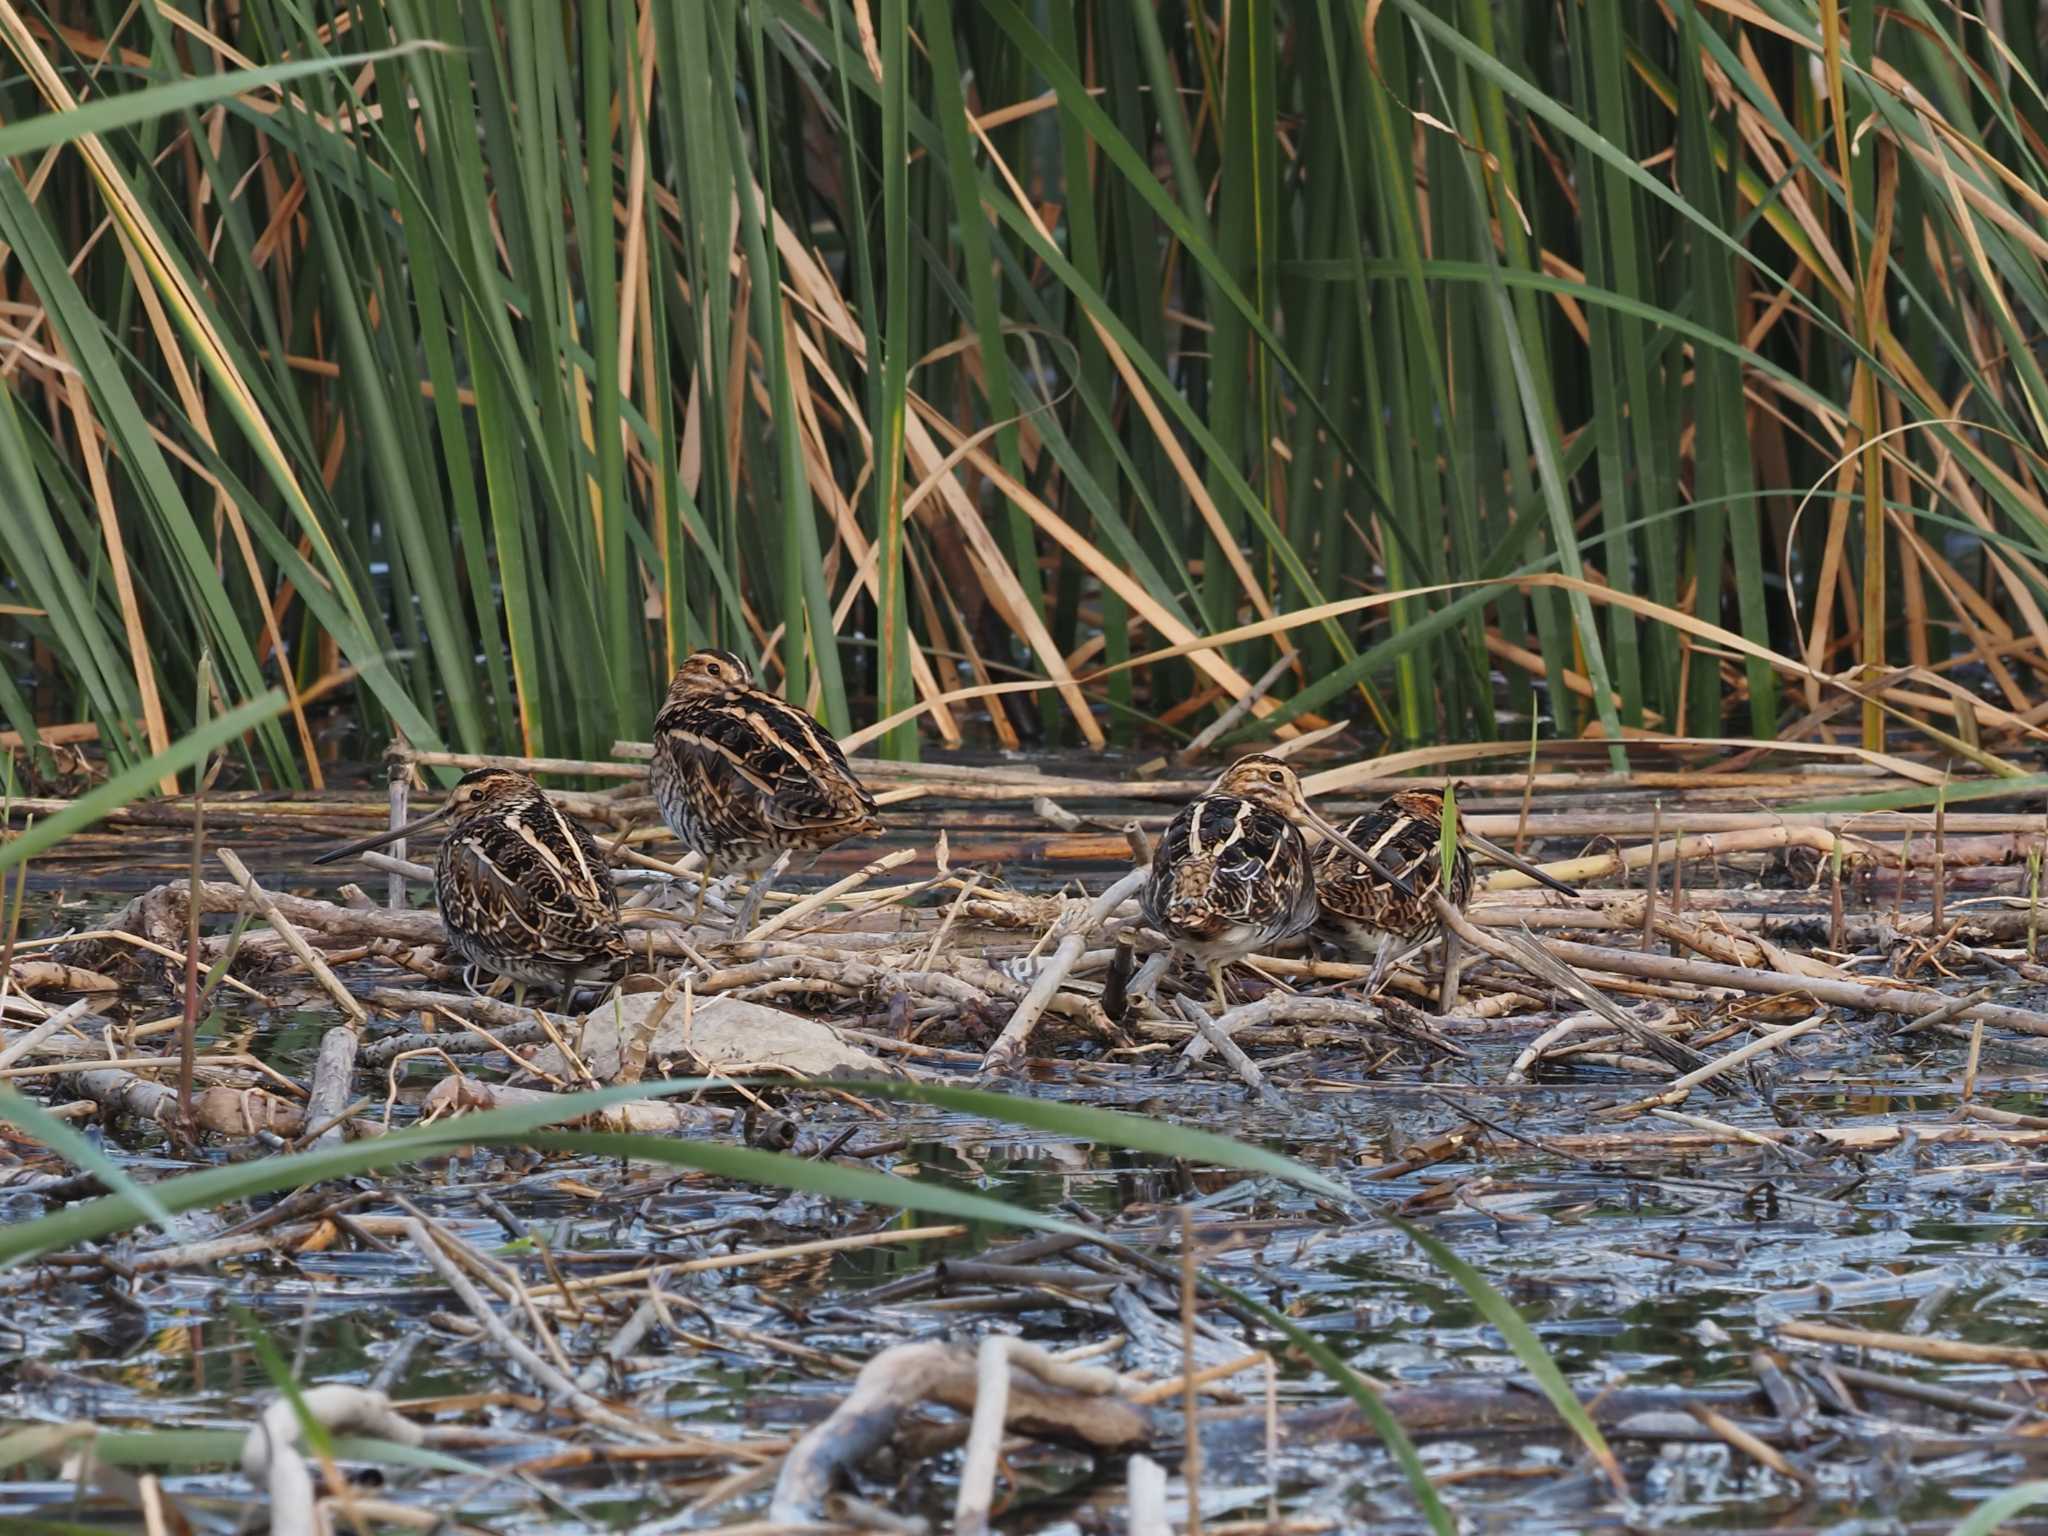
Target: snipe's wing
1224,863
756,760
532,882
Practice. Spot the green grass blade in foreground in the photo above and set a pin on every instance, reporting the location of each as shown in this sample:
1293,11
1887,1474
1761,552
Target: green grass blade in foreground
1137,1132
134,781
127,108
1994,1512
1916,799
183,1448
801,1173
42,1442
117,1212
59,1137
1361,1392
1500,1312
25,1526
212,1186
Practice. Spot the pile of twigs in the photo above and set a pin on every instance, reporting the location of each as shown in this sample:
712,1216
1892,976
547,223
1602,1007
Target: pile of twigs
947,966
1741,938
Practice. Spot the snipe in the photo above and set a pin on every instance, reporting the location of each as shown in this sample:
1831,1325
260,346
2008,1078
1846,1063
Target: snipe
523,890
1368,917
1232,874
743,777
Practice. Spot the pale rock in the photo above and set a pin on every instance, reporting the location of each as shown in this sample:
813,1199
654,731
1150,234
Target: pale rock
734,1037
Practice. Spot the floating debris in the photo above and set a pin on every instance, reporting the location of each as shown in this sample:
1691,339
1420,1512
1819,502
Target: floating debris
1754,1166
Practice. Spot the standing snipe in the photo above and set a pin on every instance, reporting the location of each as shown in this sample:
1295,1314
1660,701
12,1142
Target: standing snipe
523,890
1232,874
743,777
1369,918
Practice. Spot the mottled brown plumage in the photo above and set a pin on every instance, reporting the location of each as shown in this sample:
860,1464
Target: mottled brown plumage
743,777
1232,874
523,890
1365,915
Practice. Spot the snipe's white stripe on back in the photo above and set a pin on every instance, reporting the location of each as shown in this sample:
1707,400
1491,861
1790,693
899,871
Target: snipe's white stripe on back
584,882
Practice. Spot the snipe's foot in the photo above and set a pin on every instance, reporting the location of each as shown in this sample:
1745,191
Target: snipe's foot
757,894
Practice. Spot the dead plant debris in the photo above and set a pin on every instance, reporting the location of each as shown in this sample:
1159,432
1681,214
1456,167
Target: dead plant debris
1747,1135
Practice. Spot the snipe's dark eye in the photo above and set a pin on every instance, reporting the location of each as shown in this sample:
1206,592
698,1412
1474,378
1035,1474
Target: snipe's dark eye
1277,776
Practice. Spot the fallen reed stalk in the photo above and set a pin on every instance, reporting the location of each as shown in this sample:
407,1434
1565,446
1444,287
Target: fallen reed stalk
581,1403
1208,1030
1871,997
294,940
333,1085
1075,1404
1010,1043
753,1257
2016,1356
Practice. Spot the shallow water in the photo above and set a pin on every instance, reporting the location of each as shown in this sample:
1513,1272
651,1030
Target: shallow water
1638,1264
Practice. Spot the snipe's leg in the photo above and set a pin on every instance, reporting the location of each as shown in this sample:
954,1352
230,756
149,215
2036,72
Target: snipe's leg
1382,962
1454,961
703,885
756,894
1216,987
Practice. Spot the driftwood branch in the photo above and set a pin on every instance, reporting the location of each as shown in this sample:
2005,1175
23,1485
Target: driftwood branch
1010,1044
261,899
516,1349
1868,996
1145,1497
222,1110
29,1042
1073,1406
270,1454
1209,1031
1289,1008
333,1078
664,1117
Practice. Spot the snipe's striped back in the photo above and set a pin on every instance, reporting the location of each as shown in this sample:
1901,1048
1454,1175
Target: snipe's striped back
742,776
523,889
1364,914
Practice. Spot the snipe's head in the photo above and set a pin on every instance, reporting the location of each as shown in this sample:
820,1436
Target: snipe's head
708,673
480,792
1423,804
1266,781
487,789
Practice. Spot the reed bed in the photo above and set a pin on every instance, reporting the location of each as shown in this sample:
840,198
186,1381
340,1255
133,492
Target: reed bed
1609,368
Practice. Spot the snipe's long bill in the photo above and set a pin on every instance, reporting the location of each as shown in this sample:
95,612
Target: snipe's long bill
380,839
1500,855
